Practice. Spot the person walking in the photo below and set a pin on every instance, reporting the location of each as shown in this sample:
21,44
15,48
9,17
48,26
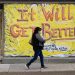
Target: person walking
38,43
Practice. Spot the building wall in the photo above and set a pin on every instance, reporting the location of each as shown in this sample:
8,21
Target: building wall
19,25
1,31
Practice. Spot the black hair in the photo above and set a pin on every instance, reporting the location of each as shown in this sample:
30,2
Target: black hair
34,39
36,30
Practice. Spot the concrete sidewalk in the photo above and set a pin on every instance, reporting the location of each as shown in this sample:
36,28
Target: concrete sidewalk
53,69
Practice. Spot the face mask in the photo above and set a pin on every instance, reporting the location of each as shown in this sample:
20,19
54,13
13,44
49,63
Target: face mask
40,32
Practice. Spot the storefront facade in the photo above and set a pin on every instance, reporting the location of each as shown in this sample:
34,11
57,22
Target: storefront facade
55,19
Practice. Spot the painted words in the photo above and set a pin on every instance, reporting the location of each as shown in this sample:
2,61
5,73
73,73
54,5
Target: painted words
48,15
47,31
52,47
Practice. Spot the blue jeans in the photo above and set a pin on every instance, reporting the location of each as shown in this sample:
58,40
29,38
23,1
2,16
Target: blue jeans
37,52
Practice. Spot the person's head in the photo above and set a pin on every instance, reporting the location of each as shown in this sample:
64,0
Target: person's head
37,29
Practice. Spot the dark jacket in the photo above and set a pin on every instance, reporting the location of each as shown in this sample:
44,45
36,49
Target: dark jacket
37,40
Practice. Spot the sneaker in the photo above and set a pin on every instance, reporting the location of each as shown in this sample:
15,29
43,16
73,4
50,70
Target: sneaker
27,66
43,67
